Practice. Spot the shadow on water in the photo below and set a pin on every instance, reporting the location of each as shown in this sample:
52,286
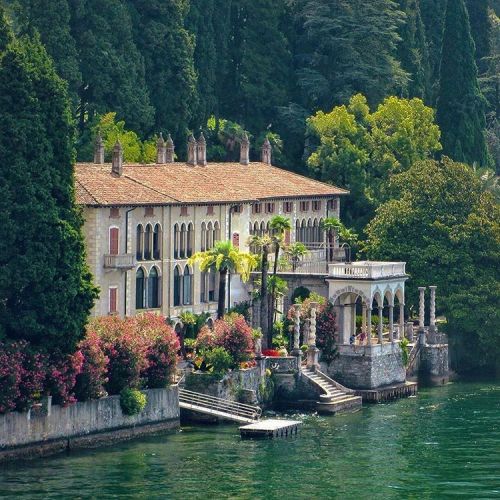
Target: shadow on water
442,443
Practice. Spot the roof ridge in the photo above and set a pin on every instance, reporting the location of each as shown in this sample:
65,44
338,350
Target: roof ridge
86,190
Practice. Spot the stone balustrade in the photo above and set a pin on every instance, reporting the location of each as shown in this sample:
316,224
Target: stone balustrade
367,270
121,261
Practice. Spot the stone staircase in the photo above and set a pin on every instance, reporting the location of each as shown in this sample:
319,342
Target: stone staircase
335,398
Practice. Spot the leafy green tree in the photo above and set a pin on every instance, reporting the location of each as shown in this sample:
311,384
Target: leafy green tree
5,31
360,151
51,19
460,105
446,227
113,77
167,48
46,290
224,258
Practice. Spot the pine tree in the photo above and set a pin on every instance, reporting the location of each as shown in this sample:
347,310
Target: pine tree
460,106
111,65
412,51
51,19
46,291
480,29
167,48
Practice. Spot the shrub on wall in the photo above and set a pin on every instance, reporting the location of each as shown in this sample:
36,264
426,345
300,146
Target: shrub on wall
61,378
10,376
132,401
33,372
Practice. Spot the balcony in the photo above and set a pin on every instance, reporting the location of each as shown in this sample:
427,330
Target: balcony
123,261
367,270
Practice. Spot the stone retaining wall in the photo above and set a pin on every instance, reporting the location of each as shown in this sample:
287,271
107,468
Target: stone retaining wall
434,364
84,424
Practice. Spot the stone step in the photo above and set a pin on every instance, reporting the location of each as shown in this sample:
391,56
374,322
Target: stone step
341,405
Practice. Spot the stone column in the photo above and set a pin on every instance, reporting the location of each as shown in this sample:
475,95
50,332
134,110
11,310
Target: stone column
401,320
409,331
433,306
391,323
380,324
421,307
369,326
313,351
363,321
296,331
258,348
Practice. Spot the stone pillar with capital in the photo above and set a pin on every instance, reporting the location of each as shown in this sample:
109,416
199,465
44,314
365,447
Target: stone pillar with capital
312,351
421,314
391,323
401,320
432,315
369,326
296,330
363,321
380,324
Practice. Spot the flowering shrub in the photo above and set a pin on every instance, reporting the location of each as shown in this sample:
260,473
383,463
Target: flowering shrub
232,333
11,360
22,374
272,353
162,346
91,380
61,378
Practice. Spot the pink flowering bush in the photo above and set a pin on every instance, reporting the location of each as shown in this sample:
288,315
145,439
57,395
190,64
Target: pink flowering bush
11,360
91,380
33,374
232,333
162,346
61,378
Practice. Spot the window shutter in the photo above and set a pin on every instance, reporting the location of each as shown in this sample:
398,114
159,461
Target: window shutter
113,241
113,301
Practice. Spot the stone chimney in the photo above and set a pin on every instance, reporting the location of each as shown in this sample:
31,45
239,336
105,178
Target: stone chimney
245,150
99,150
117,161
202,150
191,150
266,152
169,152
161,150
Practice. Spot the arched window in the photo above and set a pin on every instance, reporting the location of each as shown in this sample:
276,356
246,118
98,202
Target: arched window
153,289
208,286
262,229
303,231
315,231
216,233
203,236
309,235
182,242
157,242
147,242
210,236
203,288
177,286
114,238
187,285
321,232
139,288
176,241
140,243
190,240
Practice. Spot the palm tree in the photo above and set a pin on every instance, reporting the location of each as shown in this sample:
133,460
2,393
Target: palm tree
295,252
334,226
278,225
263,243
224,258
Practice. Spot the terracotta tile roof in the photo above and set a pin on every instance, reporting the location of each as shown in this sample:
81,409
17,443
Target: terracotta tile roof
174,183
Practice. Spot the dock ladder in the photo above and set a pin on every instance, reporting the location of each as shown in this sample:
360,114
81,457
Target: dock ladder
217,407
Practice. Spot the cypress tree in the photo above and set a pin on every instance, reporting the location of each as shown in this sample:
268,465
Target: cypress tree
51,19
111,65
480,26
167,48
46,291
412,51
460,106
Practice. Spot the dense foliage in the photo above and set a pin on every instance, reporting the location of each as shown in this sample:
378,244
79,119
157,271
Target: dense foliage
265,64
445,225
46,291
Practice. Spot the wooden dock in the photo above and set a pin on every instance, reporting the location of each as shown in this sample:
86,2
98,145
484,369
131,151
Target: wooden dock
270,428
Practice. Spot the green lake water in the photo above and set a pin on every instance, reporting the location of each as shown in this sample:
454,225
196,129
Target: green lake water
443,443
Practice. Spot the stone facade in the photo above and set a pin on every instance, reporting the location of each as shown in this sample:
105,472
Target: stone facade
362,367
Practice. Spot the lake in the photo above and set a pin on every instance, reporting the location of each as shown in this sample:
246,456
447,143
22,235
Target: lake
443,443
